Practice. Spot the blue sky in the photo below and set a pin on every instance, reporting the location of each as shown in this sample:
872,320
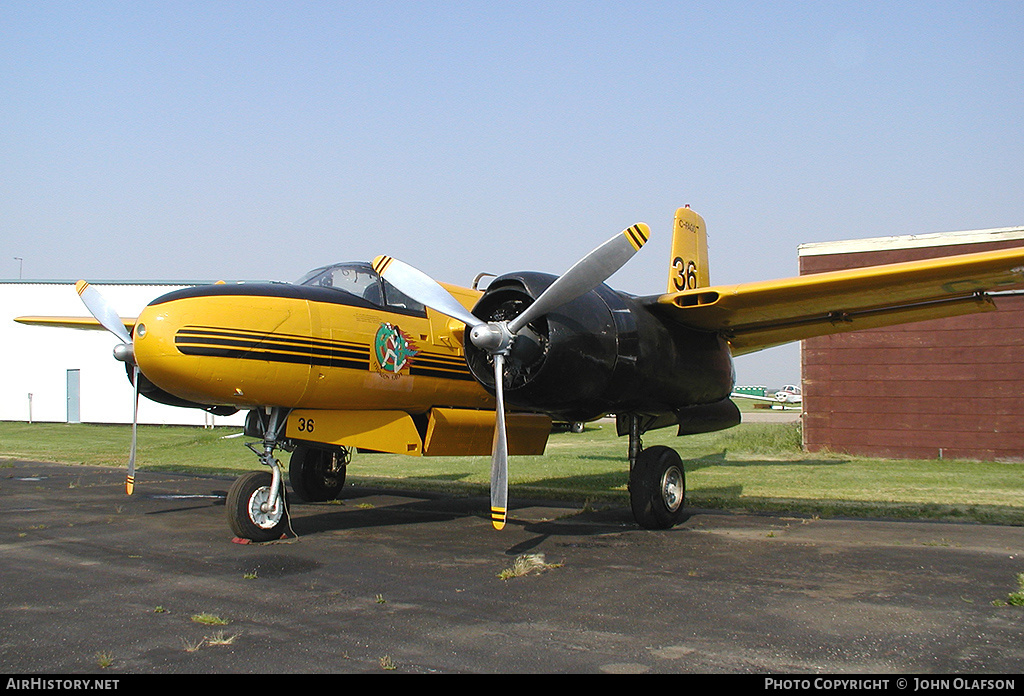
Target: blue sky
256,140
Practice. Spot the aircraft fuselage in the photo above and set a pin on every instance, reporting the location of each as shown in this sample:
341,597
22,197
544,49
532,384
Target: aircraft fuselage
315,347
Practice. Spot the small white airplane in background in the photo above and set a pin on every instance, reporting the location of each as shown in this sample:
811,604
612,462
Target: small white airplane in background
789,394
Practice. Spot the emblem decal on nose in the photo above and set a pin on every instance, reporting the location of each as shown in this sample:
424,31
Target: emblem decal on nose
393,349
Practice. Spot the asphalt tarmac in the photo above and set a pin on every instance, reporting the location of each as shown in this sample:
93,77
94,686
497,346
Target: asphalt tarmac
93,582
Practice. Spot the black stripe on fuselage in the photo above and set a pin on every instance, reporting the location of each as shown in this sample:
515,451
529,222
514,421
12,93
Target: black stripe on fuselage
242,338
437,365
252,345
248,345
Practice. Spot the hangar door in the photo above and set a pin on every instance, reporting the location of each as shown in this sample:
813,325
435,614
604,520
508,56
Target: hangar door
74,396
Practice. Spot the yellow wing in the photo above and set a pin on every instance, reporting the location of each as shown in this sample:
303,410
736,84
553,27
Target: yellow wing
753,316
72,322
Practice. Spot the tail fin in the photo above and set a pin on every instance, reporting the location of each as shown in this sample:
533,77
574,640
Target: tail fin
689,252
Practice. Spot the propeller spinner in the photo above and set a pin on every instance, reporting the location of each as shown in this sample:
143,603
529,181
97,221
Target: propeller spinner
496,338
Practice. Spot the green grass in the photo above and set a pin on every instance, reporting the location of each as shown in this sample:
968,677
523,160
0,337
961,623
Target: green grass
209,619
755,467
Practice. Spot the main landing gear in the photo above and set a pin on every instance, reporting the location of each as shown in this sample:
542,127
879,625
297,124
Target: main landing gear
318,475
657,482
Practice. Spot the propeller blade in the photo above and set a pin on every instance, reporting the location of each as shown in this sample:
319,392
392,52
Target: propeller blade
422,288
102,311
109,319
499,457
495,338
129,482
589,272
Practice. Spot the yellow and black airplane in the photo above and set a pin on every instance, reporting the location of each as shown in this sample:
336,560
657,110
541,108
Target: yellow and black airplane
381,357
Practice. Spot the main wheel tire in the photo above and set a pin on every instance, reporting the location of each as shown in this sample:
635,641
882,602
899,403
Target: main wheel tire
245,516
657,488
317,475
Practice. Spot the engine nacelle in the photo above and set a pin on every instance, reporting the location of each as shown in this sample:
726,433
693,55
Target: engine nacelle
603,352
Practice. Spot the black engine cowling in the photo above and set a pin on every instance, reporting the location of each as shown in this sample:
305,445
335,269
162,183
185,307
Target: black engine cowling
603,352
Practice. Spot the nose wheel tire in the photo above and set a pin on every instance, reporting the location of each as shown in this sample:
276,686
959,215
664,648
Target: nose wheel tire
251,513
657,488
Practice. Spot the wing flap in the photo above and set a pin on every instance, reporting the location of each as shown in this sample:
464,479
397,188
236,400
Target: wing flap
759,315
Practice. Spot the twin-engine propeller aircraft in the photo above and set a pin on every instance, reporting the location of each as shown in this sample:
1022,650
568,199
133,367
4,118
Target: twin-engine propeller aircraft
381,357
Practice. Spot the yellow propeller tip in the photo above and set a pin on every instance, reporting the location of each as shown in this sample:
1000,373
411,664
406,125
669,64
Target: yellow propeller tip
637,235
80,286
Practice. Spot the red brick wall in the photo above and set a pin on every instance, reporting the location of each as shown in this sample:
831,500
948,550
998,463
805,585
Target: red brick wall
950,388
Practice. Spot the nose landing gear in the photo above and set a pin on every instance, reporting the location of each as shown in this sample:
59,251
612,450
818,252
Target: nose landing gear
256,504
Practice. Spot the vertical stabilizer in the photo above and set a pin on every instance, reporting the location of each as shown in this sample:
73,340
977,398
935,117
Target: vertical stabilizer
689,252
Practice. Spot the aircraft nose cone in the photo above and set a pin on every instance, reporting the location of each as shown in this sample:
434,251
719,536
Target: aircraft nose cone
153,343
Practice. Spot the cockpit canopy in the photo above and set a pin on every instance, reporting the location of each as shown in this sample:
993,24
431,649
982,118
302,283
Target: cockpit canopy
360,280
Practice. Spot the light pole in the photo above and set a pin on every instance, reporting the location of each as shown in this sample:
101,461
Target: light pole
21,265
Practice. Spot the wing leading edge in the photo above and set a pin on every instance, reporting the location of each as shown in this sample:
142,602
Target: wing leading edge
754,316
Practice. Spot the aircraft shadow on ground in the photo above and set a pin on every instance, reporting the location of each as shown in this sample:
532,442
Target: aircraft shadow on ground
350,513
722,459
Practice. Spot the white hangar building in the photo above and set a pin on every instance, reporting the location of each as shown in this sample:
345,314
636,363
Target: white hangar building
64,375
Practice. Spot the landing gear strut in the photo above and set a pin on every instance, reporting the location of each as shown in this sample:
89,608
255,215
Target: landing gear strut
256,504
657,482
